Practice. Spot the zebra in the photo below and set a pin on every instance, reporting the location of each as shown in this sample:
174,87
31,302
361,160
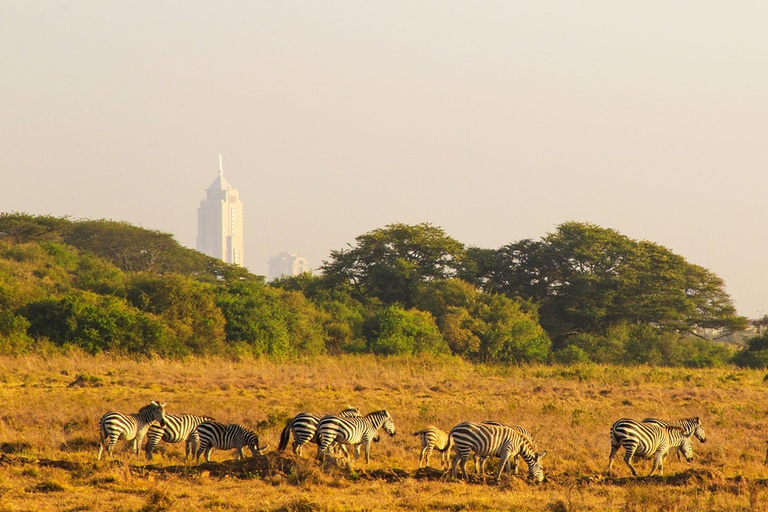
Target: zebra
114,425
647,440
304,428
355,431
431,438
494,439
178,428
686,423
515,460
226,437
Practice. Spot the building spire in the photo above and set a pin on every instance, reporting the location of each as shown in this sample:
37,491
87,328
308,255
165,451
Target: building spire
221,169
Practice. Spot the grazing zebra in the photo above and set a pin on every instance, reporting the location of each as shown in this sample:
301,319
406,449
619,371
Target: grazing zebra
178,428
114,425
494,439
515,460
431,438
355,431
687,424
647,440
226,437
304,428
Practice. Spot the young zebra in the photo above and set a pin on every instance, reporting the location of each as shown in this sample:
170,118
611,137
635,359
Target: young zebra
431,438
687,424
304,429
647,440
515,460
226,437
355,431
114,425
494,439
178,428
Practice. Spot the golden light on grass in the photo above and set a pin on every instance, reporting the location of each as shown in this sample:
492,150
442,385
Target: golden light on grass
50,406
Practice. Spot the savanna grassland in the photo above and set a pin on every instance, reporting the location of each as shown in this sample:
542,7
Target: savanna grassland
50,406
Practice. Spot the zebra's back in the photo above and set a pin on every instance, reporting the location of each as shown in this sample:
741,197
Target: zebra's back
178,428
494,439
227,437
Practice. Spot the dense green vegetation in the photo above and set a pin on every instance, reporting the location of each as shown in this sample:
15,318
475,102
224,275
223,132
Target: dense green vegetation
581,293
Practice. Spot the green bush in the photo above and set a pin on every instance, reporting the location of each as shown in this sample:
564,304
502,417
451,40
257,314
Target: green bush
395,331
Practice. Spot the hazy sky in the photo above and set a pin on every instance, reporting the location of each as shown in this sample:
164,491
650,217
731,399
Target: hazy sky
496,121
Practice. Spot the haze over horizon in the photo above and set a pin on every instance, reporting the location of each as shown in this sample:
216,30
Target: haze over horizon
495,120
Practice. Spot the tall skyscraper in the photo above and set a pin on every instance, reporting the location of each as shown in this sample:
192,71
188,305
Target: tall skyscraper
220,222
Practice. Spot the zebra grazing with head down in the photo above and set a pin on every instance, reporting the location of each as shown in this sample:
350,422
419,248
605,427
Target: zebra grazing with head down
687,424
431,438
114,425
304,429
648,440
494,439
515,460
355,431
178,428
226,437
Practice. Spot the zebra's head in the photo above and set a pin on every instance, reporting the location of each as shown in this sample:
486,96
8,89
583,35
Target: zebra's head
389,425
253,445
699,430
155,412
382,419
535,470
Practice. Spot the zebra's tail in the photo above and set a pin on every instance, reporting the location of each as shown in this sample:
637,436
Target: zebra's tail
420,432
285,436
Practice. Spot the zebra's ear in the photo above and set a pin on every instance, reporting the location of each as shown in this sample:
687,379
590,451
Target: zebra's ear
163,404
540,456
155,403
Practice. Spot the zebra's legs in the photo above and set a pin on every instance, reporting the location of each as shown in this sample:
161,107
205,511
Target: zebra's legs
611,457
628,459
426,452
658,462
503,462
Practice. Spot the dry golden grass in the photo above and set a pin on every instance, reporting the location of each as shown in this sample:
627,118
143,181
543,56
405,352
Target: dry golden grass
50,406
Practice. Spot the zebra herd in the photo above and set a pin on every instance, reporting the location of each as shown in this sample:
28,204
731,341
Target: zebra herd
650,438
200,433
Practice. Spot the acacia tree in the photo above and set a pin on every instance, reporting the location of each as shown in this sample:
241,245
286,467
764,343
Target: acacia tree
391,263
589,278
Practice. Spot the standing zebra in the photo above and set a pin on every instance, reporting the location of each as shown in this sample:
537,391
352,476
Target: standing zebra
515,460
226,437
647,440
355,431
431,438
687,424
178,428
494,439
114,425
304,429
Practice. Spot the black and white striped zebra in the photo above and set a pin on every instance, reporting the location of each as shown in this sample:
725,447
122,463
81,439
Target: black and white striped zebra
178,428
480,468
494,439
687,424
116,425
226,437
433,438
353,431
304,429
647,440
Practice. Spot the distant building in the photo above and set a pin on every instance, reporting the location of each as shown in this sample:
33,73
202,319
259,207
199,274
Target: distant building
287,264
220,222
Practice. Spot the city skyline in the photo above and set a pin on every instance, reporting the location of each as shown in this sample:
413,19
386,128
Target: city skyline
496,121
